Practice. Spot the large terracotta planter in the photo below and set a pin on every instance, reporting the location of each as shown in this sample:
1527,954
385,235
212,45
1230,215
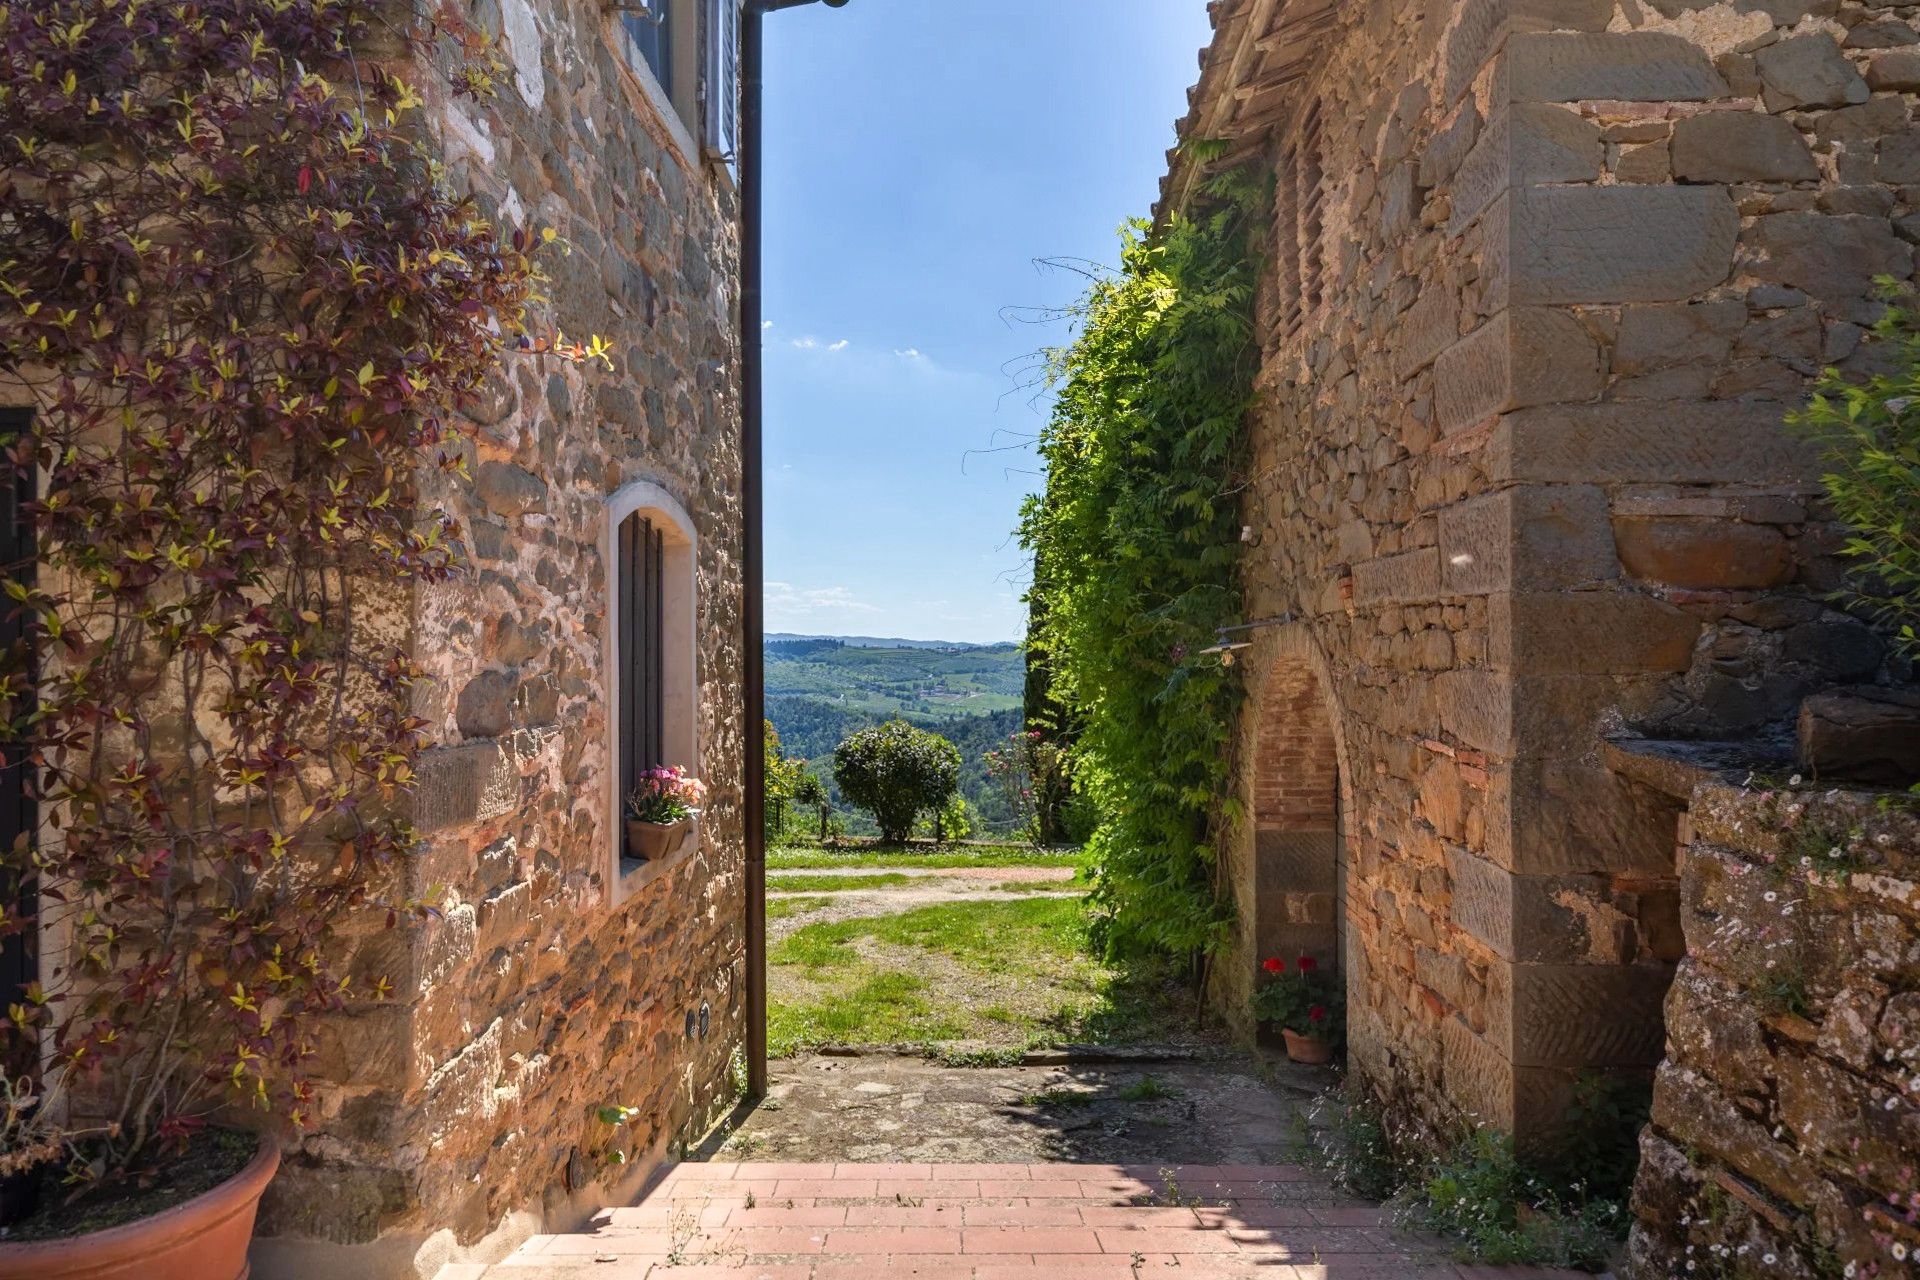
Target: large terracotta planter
652,841
203,1239
1311,1051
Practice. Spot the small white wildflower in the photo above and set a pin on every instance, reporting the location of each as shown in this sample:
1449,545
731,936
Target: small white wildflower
1852,1268
1891,1103
1767,1258
1794,781
1899,1252
1771,896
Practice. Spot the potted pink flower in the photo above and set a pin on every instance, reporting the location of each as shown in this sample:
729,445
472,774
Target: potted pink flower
661,810
1305,1005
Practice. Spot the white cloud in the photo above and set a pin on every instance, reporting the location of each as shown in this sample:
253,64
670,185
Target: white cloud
766,324
909,353
788,605
805,344
839,346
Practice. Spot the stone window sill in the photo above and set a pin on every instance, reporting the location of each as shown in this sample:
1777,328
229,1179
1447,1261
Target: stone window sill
636,873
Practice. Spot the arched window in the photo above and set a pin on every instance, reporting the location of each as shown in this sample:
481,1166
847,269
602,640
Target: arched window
652,682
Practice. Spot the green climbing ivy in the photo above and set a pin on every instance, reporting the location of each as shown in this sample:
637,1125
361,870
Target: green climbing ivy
1136,551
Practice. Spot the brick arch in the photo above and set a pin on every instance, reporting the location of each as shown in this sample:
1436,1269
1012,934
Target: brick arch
1297,837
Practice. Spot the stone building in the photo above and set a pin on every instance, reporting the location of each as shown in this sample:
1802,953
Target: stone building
598,629
1544,278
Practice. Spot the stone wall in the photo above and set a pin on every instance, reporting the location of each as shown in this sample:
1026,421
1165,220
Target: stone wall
1787,1114
1547,274
464,1116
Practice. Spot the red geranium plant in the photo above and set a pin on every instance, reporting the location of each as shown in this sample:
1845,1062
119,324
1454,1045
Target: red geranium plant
246,313
1303,999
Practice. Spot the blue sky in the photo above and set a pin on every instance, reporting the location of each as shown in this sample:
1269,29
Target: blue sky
921,155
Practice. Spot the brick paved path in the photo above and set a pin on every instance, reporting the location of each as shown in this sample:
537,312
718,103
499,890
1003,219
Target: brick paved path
987,1222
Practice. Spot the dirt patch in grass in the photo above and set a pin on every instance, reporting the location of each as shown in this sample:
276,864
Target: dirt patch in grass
1006,972
832,883
946,858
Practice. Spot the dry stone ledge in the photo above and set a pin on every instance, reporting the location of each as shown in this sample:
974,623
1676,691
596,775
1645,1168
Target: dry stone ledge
1787,1112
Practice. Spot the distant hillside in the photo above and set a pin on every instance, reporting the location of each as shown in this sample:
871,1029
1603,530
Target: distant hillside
879,642
822,688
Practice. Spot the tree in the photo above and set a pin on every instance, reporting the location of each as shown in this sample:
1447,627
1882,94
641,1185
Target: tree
897,772
784,775
812,792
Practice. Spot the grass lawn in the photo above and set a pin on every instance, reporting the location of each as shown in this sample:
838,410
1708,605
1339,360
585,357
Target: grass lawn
1010,974
827,884
930,857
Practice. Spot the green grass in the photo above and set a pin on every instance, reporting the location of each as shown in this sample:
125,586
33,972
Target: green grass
1011,974
944,858
830,884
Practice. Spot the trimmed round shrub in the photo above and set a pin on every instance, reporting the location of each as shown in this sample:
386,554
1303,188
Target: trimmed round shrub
897,772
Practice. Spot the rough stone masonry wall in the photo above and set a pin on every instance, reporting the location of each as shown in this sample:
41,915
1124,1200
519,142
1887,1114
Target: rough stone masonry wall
464,1116
1521,478
1786,1117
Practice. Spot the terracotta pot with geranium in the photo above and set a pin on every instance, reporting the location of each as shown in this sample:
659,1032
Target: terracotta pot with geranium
661,812
1305,1004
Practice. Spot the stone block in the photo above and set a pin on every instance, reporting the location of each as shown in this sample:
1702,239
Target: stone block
1527,143
1831,257
1523,356
1833,1112
1809,71
1593,245
1589,631
1740,146
1691,1110
1661,335
509,490
1641,66
1895,71
1482,1082
1527,918
453,783
1409,578
1531,538
1714,1028
1579,1016
1430,326
1707,555
1553,814
1865,734
1653,443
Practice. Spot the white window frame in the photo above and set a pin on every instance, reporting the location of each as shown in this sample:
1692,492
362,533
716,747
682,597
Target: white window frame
680,682
688,68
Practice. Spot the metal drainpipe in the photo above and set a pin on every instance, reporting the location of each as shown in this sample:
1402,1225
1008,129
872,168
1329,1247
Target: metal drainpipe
753,558
753,568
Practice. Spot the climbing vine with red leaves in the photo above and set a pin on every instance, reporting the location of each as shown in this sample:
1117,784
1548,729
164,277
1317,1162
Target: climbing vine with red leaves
245,311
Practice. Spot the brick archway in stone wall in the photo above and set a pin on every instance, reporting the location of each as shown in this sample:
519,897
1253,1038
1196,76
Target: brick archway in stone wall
1297,815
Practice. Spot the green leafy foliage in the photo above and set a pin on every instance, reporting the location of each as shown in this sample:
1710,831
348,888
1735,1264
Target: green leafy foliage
897,772
1868,433
1136,547
1568,1210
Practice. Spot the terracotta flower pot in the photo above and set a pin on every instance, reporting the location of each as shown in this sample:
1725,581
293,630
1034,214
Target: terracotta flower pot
654,840
203,1239
1309,1050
